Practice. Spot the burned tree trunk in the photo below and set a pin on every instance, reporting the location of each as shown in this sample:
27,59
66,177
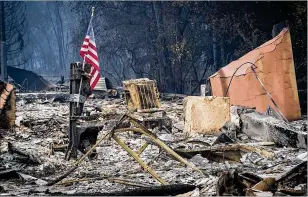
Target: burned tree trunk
215,49
162,50
7,105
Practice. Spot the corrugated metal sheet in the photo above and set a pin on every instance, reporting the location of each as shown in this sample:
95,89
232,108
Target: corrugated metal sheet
101,85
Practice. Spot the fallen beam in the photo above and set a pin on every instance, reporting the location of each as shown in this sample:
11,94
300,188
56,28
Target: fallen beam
163,190
42,95
230,152
294,176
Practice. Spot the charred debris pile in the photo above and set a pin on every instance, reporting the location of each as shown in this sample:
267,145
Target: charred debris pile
246,138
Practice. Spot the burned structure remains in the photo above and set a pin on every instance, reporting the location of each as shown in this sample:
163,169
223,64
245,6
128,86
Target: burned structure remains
248,138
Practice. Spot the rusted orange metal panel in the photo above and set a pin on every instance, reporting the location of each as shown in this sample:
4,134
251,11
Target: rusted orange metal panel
275,68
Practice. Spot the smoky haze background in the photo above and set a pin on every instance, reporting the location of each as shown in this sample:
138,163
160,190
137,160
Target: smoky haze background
179,44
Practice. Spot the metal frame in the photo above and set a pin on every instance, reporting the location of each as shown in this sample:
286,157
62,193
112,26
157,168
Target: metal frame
140,129
144,131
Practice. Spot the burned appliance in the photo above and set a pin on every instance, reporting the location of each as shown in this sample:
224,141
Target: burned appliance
142,98
141,95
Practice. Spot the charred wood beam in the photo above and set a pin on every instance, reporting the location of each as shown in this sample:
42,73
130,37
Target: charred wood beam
164,190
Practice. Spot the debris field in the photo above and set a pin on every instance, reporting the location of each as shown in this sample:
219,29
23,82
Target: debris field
242,138
41,131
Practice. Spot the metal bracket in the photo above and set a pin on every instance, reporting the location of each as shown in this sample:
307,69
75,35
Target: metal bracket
77,98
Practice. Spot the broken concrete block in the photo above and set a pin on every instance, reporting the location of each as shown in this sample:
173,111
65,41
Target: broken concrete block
270,129
141,94
205,114
275,68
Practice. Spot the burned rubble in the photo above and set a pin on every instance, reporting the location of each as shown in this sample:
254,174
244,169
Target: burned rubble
43,125
143,142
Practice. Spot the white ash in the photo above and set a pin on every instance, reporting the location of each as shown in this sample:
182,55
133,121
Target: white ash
113,161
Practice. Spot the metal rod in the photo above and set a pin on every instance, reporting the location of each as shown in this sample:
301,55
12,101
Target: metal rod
129,182
142,148
149,104
77,162
83,64
162,145
137,158
226,93
269,96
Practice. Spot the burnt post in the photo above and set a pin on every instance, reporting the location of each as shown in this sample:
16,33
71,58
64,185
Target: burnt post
76,103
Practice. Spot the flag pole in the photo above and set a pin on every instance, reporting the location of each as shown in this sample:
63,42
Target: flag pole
83,64
84,58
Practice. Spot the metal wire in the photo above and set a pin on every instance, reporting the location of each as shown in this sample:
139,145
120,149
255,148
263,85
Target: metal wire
152,95
234,74
253,66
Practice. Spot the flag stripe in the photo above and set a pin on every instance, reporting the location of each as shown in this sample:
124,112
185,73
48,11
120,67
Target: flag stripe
85,43
95,78
93,63
92,43
92,46
92,71
94,53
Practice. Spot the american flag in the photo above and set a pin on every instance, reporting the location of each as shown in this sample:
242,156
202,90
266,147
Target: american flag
88,52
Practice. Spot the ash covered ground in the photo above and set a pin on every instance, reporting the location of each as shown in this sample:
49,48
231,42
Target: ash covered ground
41,123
